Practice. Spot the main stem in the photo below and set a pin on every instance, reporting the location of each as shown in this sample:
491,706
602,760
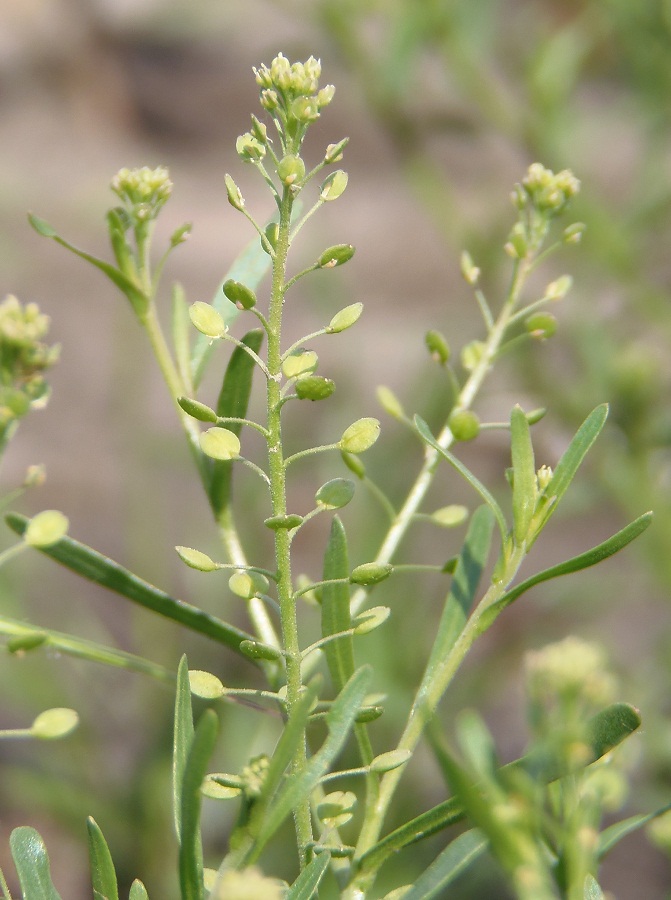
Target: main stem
277,475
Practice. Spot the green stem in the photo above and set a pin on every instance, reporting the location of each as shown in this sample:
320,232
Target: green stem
277,475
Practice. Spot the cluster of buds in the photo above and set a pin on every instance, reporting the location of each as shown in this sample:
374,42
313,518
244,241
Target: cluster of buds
23,359
143,191
546,191
292,90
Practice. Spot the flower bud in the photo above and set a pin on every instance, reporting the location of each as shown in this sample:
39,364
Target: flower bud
335,256
469,270
335,493
463,424
325,95
259,131
207,319
370,573
198,410
360,436
240,294
540,325
220,443
304,110
334,152
35,476
196,559
300,362
573,234
291,169
437,346
235,198
334,186
345,318
269,100
543,477
46,528
314,387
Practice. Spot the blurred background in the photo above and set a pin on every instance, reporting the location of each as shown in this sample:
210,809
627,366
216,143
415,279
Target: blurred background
446,103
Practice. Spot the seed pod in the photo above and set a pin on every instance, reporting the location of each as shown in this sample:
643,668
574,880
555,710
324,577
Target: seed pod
471,355
540,325
469,270
559,288
334,152
370,573
336,808
335,493
385,762
248,584
369,714
25,642
46,528
304,109
370,619
54,723
335,256
291,169
235,198
360,436
300,362
271,232
390,403
220,443
334,186
314,387
240,294
205,685
276,523
437,346
249,148
257,650
354,464
345,318
450,516
463,424
197,410
196,559
207,319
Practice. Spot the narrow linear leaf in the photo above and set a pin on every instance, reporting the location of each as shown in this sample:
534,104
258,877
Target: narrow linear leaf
32,864
448,865
138,891
249,268
103,874
339,721
612,835
307,882
181,331
335,608
104,571
605,731
233,401
84,649
182,739
524,474
583,561
425,433
190,850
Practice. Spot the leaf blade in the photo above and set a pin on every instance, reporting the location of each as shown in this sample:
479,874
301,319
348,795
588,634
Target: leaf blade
335,607
448,865
103,873
32,864
307,882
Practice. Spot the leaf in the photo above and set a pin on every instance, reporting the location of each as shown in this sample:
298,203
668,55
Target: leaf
339,721
583,561
182,739
524,474
249,268
612,835
233,401
307,882
104,571
592,889
181,330
335,607
448,865
103,874
425,433
138,891
190,850
605,731
32,864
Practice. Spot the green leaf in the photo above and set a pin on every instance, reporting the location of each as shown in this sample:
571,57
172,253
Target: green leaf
249,268
524,474
448,865
138,891
335,607
182,739
32,864
181,331
575,564
605,731
612,835
307,882
103,571
233,401
190,851
425,433
103,874
592,889
569,464
339,721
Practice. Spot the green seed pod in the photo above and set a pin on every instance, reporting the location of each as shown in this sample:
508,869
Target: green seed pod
334,186
469,270
390,403
300,362
207,319
437,346
336,808
536,415
516,246
354,464
370,573
196,559
370,619
259,131
463,424
54,723
360,436
335,493
240,294
573,234
205,685
25,642
335,256
212,788
180,235
369,714
276,523
197,410
540,325
334,152
345,318
257,650
314,387
291,169
450,516
235,198
46,528
249,148
248,584
272,233
220,443
304,110
558,289
385,762
471,355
